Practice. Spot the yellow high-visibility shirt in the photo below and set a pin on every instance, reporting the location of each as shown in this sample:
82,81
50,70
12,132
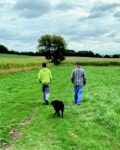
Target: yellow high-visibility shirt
45,75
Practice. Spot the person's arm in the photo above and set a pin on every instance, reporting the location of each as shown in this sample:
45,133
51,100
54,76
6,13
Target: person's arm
84,78
50,76
72,76
39,76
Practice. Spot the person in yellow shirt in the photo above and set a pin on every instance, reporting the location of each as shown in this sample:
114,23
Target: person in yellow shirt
45,77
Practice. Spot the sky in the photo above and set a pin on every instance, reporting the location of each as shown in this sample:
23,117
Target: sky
84,24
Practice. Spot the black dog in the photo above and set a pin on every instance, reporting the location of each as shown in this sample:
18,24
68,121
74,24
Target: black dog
58,106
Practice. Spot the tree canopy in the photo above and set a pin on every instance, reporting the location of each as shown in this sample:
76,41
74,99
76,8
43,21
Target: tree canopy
3,49
53,47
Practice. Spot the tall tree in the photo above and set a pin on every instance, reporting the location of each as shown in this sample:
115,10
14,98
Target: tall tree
53,47
3,49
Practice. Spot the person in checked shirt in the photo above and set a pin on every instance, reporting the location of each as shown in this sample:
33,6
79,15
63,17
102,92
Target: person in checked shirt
78,78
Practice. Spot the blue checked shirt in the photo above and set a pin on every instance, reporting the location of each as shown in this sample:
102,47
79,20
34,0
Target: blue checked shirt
78,77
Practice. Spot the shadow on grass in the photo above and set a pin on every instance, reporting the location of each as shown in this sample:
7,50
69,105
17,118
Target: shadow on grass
54,117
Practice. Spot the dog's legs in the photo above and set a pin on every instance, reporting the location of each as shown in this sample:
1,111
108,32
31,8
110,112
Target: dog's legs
62,113
58,114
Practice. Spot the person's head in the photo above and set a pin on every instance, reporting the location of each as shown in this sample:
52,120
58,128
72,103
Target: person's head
43,65
78,64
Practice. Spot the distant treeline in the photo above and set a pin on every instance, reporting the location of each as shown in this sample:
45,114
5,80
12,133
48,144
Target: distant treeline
67,52
88,54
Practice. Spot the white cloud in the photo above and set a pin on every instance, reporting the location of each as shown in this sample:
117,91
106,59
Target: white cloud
85,25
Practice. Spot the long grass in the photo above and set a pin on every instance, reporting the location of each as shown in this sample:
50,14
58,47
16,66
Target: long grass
94,125
20,63
10,62
88,61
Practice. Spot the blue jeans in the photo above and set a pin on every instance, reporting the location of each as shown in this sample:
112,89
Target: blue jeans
78,90
46,91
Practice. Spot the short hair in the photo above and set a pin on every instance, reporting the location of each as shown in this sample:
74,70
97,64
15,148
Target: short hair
43,64
77,63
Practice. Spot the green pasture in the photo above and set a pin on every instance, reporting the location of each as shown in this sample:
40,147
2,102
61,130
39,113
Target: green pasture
94,125
14,56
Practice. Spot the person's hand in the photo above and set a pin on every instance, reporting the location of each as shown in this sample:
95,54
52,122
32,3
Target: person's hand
84,82
72,80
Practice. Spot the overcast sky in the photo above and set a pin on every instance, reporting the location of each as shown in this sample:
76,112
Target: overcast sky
84,24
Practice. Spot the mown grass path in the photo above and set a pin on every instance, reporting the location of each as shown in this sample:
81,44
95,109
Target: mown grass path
93,125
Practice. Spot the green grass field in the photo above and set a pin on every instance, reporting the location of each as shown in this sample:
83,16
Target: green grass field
14,56
95,125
